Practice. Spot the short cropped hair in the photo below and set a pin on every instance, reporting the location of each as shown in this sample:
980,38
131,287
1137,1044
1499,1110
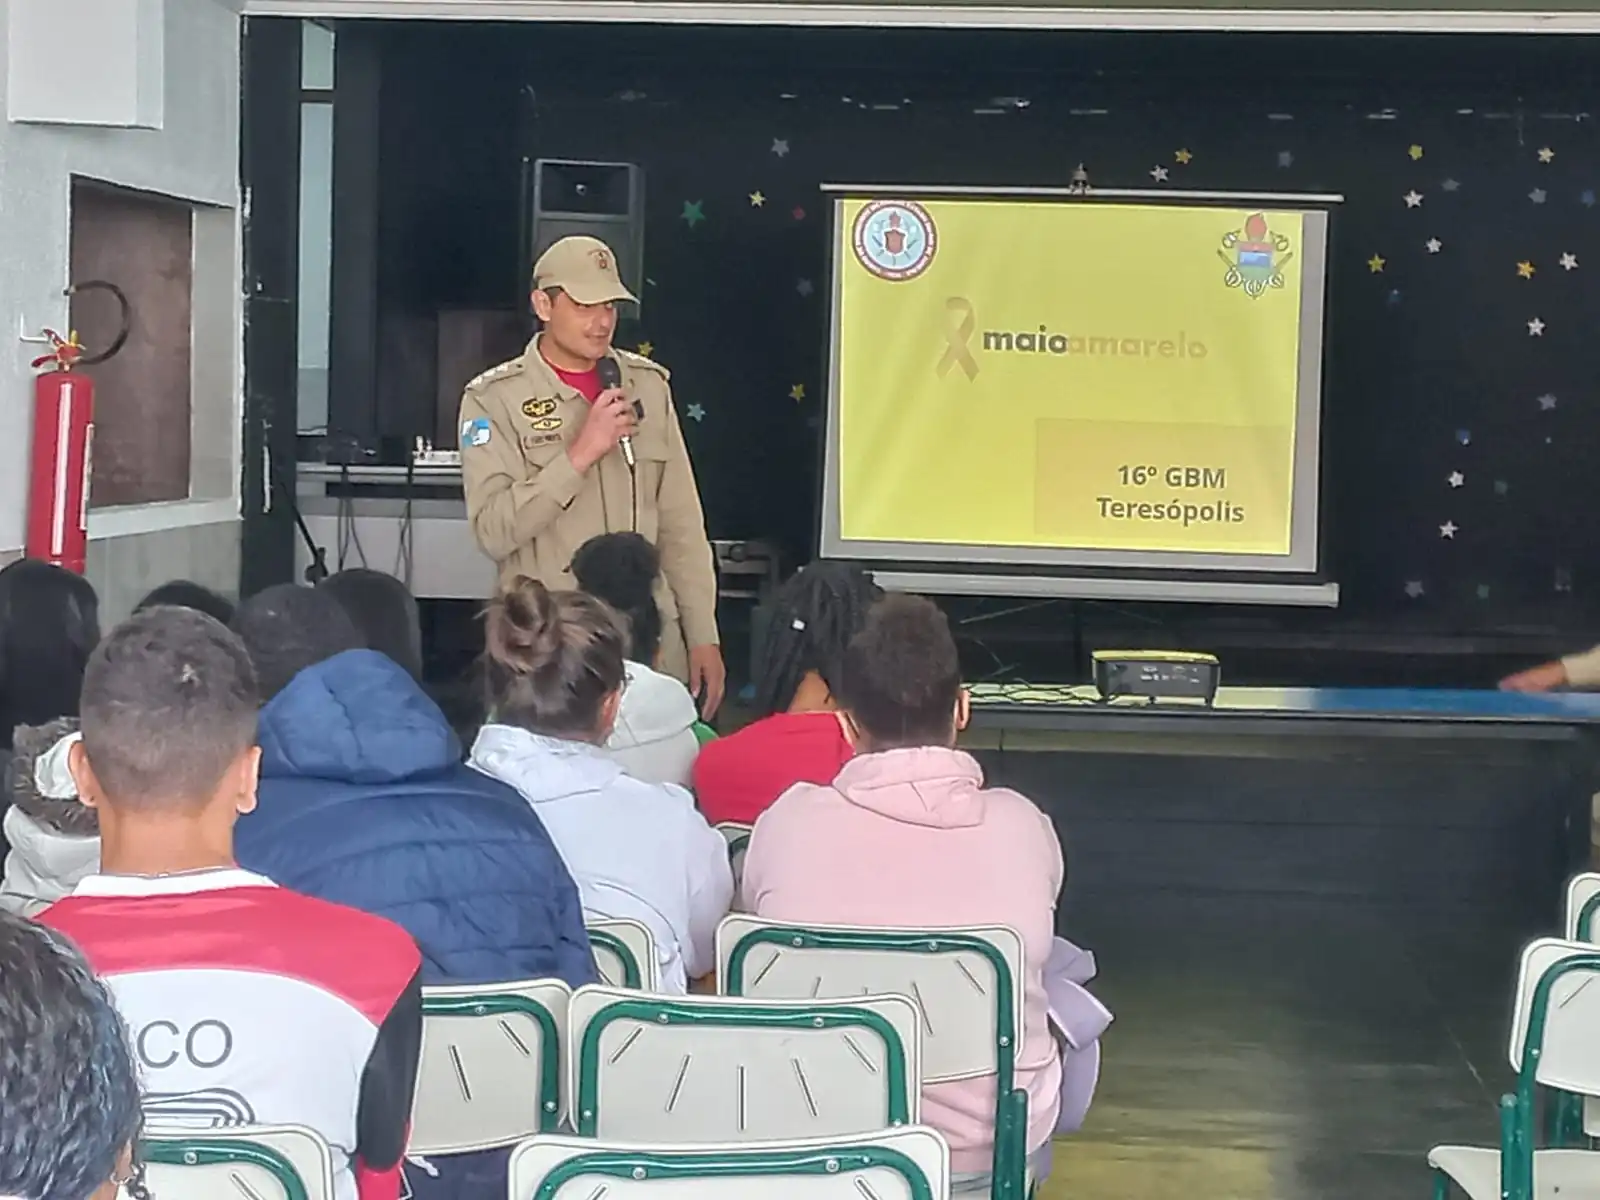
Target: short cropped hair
621,569
288,628
384,613
68,1087
901,677
169,704
185,593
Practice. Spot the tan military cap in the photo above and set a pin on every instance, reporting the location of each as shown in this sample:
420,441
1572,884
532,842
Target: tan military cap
584,268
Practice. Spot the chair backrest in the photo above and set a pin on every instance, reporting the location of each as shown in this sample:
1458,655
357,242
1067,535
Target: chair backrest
676,1069
625,953
738,839
249,1162
965,981
1583,903
895,1164
491,1069
1556,1012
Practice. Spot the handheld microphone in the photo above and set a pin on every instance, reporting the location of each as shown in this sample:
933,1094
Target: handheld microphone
610,376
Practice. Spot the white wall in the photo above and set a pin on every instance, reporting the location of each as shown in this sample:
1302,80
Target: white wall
194,156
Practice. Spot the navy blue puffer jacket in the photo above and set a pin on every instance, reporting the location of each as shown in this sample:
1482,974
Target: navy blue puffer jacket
364,801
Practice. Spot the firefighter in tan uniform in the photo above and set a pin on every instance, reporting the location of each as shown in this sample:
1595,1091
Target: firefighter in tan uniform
545,469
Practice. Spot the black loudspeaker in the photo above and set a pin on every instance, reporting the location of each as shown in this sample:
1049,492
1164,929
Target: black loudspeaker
603,200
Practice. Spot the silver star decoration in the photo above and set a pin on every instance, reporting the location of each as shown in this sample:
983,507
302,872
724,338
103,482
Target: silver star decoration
1414,588
695,412
1501,487
1451,185
1536,328
1546,154
1285,158
1448,529
1159,174
1586,197
805,287
1457,479
1569,261
1547,402
780,146
1538,195
1434,245
1483,591
1413,199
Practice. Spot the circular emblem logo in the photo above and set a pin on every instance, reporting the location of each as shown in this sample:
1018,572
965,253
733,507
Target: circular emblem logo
895,239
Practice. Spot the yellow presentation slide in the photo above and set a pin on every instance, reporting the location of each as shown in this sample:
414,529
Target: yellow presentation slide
1100,376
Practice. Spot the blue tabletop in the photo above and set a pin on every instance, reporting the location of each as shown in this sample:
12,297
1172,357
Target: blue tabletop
1442,703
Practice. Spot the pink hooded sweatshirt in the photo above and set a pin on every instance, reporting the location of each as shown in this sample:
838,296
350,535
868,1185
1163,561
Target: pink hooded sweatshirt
913,838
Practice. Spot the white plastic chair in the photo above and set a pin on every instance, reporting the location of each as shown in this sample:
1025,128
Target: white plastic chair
678,1069
1583,902
966,982
491,1072
1552,1045
738,839
625,954
896,1164
248,1162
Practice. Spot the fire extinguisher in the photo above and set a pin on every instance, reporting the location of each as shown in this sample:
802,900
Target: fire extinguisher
63,443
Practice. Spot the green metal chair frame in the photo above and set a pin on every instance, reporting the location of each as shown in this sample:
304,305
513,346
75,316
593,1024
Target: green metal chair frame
492,1005
209,1152
751,1164
1517,1108
632,971
1010,1167
672,1011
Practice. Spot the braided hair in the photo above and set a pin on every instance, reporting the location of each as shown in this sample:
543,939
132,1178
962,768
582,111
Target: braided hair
814,616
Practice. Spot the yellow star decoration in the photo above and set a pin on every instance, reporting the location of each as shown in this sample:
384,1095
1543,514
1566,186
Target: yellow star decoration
646,348
1375,264
1525,270
757,199
1183,156
1415,152
797,393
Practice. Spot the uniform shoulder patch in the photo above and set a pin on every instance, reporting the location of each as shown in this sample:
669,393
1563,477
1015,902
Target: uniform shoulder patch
504,371
639,360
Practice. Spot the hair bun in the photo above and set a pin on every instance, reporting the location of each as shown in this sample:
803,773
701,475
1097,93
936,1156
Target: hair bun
523,627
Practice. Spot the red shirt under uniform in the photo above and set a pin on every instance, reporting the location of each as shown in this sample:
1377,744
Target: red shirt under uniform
585,383
737,777
248,1004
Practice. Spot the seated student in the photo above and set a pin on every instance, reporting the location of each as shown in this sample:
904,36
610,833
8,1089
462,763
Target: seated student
185,593
55,840
800,738
654,738
247,1003
365,801
384,612
68,1086
908,835
554,675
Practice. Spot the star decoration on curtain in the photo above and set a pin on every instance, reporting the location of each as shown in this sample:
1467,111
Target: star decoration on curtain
1501,487
646,349
1456,479
1183,157
694,211
757,199
780,146
797,393
1464,437
1451,185
1414,588
1483,591
1413,198
1448,529
798,213
1525,269
805,287
1286,158
1569,261
1547,402
1375,263
1434,245
695,412
1414,151
1536,328
1546,154
1159,174
1394,297
1538,195
1586,197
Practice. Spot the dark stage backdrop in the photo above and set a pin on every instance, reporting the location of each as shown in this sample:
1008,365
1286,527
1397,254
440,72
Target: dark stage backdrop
1461,409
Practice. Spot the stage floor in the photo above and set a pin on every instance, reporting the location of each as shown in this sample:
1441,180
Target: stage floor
1288,1050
